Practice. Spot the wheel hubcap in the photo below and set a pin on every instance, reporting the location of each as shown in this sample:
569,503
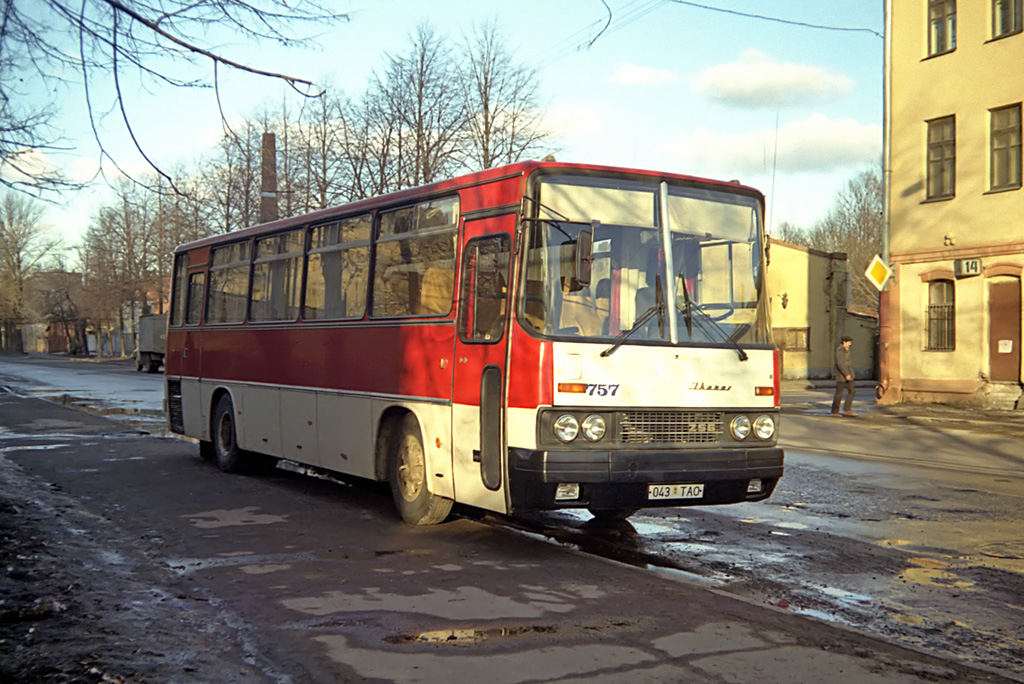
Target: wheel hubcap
225,435
410,469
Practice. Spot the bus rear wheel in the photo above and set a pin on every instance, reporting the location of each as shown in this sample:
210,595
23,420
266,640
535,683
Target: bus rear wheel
408,476
225,443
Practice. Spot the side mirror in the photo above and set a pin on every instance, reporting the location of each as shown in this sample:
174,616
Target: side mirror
584,256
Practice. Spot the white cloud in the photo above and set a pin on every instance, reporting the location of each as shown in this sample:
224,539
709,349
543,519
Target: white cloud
633,75
813,145
757,80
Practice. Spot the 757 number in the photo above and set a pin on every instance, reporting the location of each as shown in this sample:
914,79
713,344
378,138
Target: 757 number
602,390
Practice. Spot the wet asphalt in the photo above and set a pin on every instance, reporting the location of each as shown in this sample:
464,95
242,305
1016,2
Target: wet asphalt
301,580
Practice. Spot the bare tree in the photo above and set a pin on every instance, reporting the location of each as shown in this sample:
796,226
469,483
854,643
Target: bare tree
155,42
326,169
421,91
791,233
23,247
501,100
854,226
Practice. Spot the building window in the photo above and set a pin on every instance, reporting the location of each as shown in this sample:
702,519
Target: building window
1006,17
941,26
1006,148
941,316
793,339
942,158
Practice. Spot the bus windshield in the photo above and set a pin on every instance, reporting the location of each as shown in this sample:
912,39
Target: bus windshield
609,259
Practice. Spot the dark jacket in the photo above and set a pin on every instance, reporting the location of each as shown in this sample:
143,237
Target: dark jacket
843,366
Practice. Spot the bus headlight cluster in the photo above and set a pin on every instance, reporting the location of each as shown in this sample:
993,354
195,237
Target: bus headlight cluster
567,427
763,427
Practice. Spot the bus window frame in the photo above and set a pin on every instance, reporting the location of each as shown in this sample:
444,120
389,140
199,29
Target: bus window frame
223,267
256,260
343,246
468,298
415,232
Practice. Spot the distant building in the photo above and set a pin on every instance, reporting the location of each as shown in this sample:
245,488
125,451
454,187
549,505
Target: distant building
952,316
809,292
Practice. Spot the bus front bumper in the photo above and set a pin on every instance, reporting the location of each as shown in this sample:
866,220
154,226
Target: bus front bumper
622,479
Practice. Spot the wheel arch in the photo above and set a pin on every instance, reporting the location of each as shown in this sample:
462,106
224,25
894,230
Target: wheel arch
387,432
215,397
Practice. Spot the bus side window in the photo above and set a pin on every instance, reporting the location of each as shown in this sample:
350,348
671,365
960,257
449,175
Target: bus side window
179,291
196,284
414,262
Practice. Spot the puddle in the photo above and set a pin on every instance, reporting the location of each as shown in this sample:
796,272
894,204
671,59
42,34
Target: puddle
238,516
460,603
1010,550
468,636
933,571
893,542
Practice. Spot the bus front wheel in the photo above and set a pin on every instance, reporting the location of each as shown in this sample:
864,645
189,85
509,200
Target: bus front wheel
408,475
225,443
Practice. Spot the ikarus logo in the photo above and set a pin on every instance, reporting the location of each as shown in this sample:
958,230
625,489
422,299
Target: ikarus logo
710,388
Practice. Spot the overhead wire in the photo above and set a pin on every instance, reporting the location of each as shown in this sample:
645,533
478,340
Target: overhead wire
585,37
779,20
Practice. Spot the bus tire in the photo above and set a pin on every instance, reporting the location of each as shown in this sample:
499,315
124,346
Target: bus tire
408,476
608,515
225,442
207,452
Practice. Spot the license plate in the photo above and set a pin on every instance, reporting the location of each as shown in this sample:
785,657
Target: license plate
675,491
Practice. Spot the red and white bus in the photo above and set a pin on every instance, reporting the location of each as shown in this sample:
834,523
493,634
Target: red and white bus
532,337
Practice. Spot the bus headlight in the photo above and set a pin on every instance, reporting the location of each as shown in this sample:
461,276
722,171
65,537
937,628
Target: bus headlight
740,427
593,427
764,427
566,428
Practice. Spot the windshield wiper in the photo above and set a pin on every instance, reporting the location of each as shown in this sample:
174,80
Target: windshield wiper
714,325
625,334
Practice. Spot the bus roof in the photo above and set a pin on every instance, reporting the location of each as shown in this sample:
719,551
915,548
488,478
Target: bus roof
523,168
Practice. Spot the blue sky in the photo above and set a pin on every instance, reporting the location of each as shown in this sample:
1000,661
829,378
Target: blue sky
792,110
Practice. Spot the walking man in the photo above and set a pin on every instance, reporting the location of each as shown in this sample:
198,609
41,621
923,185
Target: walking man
843,374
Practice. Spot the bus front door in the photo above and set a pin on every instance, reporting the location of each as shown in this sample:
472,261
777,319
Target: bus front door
478,393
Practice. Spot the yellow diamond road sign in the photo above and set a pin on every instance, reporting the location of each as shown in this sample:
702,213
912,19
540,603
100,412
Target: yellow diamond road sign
878,272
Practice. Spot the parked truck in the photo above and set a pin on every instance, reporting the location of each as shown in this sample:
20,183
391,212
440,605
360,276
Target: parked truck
152,339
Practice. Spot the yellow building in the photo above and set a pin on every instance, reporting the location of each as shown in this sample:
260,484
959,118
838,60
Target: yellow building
951,328
810,291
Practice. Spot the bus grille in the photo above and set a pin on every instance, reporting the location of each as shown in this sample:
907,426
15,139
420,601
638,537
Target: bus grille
670,427
174,409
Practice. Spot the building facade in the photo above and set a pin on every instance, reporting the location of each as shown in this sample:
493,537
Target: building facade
952,316
810,293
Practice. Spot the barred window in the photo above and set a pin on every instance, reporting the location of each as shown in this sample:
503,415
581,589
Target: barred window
1006,17
941,26
941,158
338,268
1006,148
941,316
